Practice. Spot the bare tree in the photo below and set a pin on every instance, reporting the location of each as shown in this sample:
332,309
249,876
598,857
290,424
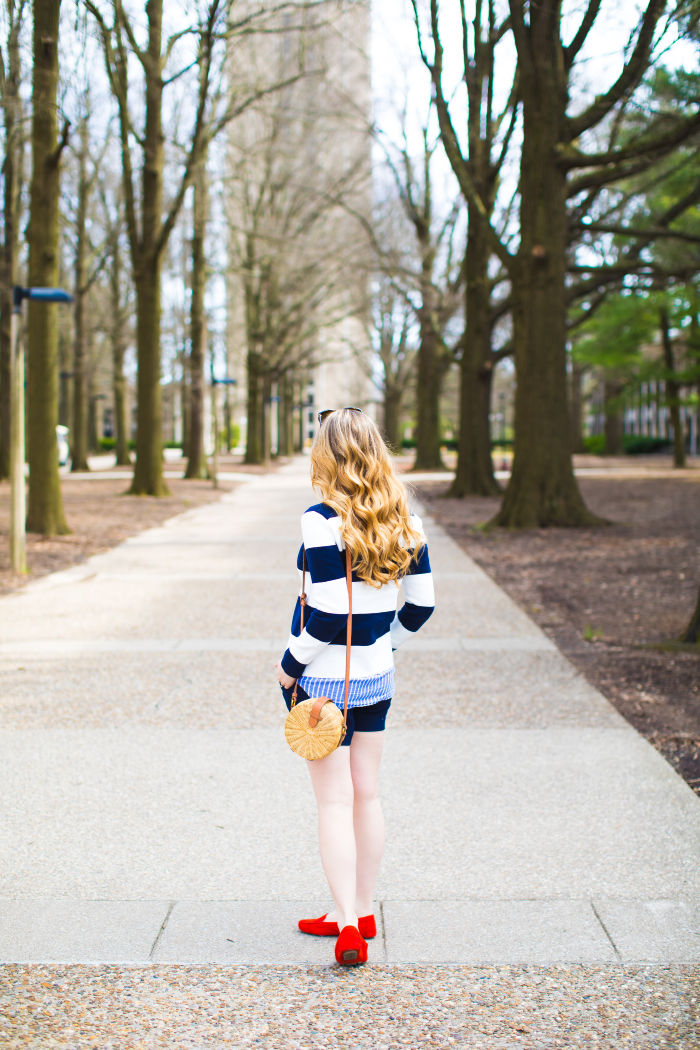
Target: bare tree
149,221
298,169
476,154
117,324
10,76
426,261
392,320
556,174
196,463
89,260
45,505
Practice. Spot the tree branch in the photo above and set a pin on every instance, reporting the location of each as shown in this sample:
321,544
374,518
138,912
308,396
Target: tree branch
62,143
606,176
116,66
507,350
630,76
450,141
582,32
648,146
125,23
520,30
511,104
198,141
652,232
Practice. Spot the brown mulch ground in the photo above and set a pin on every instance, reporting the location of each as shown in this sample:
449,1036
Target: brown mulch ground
101,515
608,596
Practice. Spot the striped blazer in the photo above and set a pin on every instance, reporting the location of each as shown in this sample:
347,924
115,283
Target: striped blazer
316,655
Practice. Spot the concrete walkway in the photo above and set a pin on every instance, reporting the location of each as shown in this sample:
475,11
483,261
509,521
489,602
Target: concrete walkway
151,811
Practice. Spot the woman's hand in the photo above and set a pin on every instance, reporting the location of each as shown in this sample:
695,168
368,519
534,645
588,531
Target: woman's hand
284,680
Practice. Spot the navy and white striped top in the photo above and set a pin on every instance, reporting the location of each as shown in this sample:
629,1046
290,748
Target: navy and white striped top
316,656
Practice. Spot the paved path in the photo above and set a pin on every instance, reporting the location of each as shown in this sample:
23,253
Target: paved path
152,812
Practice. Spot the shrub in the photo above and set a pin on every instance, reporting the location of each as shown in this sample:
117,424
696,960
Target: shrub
632,444
595,444
641,445
109,444
235,436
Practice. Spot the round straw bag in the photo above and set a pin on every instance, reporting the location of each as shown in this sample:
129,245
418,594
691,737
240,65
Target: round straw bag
314,735
315,727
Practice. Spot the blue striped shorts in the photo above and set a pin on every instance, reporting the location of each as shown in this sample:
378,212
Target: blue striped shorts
369,719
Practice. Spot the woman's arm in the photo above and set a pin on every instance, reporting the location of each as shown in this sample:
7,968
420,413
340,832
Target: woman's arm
284,679
328,614
419,594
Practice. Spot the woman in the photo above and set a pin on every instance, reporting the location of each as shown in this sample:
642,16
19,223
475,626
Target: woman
364,507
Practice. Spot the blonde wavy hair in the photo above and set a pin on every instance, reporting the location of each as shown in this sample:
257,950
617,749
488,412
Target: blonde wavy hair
351,468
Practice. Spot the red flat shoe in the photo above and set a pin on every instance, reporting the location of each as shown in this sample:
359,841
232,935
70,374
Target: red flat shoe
350,948
320,928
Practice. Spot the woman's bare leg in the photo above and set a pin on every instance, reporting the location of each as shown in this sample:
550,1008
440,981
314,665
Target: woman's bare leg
333,788
368,818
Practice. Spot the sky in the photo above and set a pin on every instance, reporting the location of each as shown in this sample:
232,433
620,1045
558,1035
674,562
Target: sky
397,67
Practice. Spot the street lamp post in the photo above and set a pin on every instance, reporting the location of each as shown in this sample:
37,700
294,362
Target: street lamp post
18,506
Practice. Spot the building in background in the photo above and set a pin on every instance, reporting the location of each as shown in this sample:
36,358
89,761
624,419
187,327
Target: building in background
297,201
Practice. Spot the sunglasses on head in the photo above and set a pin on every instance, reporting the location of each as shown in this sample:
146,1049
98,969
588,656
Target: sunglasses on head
329,412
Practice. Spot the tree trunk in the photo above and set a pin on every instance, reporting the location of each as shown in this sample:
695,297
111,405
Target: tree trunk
692,631
12,173
122,430
65,386
6,286
303,409
266,418
45,507
148,471
148,256
254,429
542,489
673,390
474,475
228,418
121,416
285,439
429,375
92,416
612,406
79,429
393,396
196,463
576,407
185,403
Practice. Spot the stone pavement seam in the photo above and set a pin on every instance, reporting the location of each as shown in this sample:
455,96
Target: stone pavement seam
161,931
468,931
607,933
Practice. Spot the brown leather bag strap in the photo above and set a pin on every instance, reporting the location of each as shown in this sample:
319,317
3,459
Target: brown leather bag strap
302,603
316,709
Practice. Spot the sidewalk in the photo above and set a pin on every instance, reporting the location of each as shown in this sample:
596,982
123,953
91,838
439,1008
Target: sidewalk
153,814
